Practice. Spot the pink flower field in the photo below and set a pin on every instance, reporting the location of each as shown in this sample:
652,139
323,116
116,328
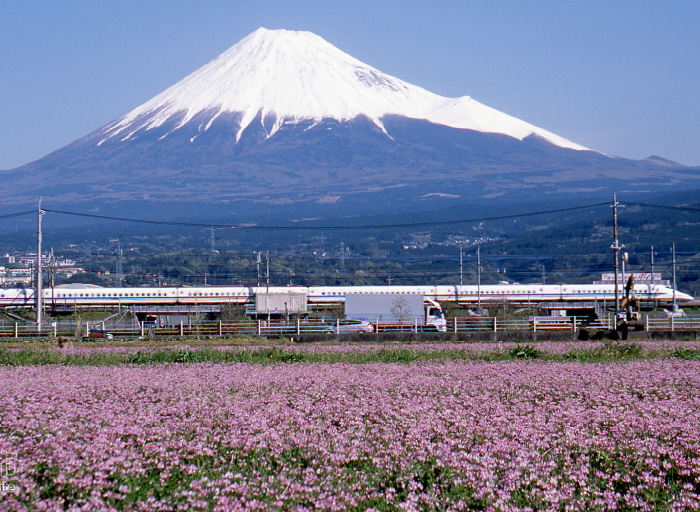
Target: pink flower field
448,435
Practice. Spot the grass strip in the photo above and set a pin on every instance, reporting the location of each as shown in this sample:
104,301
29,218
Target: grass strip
609,352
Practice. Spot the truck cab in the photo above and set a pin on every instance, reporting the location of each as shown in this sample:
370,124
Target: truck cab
434,315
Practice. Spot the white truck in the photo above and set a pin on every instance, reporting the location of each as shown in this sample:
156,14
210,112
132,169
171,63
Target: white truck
396,309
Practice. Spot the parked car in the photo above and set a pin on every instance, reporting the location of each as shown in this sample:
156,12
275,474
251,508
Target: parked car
342,326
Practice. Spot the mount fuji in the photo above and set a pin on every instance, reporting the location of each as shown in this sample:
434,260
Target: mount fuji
285,118
283,77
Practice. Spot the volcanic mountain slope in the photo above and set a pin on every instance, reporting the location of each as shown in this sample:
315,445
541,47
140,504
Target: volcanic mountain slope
285,117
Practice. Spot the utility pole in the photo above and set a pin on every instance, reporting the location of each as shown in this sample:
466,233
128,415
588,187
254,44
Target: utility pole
120,266
616,253
267,272
342,257
258,262
652,263
52,280
478,282
39,276
673,251
543,275
461,268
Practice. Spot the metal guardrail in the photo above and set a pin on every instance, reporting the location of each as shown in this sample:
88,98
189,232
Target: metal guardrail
10,330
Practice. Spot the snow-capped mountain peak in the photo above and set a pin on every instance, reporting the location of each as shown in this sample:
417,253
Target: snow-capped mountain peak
283,76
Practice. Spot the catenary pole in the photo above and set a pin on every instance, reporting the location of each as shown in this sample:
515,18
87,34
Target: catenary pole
673,251
39,275
478,282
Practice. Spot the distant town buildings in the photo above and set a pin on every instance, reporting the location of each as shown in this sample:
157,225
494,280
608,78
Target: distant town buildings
18,270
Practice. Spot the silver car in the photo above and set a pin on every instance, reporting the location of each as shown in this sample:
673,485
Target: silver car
342,326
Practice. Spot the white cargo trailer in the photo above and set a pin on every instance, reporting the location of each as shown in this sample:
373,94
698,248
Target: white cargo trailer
280,303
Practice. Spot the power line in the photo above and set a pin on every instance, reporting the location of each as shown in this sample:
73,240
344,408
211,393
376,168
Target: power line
336,227
666,207
17,214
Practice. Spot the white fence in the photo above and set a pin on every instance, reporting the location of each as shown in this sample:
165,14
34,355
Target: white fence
652,322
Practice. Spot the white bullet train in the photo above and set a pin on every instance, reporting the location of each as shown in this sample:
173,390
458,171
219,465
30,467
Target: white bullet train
81,296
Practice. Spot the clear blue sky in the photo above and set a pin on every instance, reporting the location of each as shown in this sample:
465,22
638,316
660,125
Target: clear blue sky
620,76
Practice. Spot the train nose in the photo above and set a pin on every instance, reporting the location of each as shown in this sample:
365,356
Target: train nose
683,296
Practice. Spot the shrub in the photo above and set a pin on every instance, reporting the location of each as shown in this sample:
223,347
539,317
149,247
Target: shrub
524,352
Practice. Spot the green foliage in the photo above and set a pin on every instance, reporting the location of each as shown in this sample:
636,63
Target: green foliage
623,350
612,351
524,352
686,353
233,312
283,354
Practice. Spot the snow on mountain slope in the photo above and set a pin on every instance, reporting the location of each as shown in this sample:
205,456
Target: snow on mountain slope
288,76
